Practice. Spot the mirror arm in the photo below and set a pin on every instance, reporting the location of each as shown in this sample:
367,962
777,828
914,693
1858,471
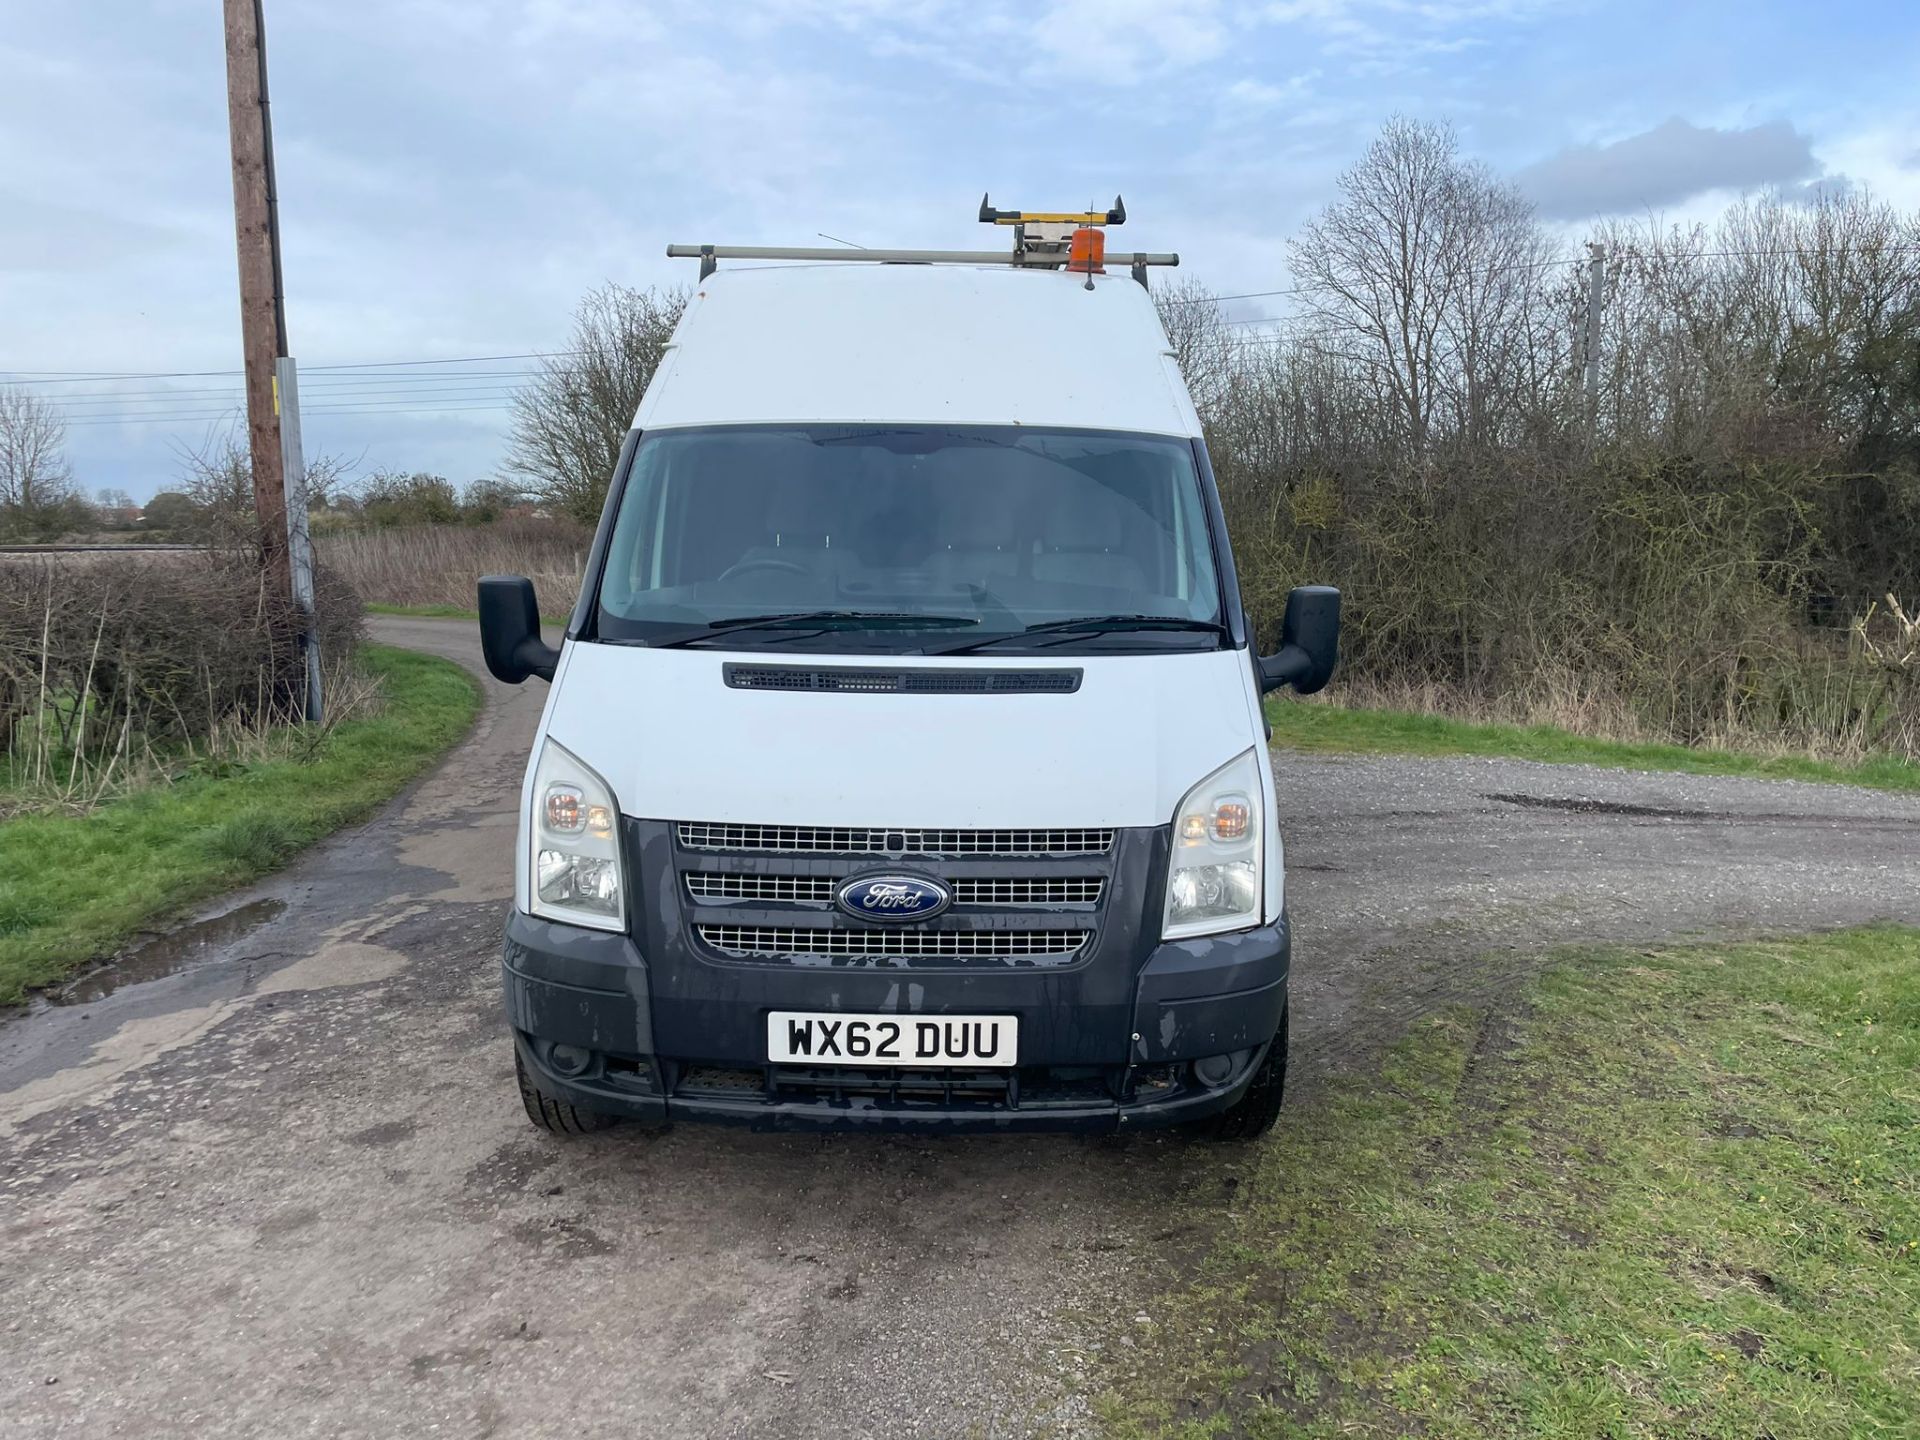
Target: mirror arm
537,657
1289,665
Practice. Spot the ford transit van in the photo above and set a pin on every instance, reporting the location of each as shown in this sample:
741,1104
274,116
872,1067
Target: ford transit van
904,764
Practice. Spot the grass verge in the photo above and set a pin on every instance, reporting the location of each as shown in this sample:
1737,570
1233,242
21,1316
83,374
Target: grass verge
74,888
425,612
449,612
1336,728
1676,1193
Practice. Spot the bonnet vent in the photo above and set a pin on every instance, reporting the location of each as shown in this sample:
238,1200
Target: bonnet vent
951,680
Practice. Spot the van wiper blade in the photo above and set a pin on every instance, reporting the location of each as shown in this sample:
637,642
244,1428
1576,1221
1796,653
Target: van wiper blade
915,441
817,619
1092,625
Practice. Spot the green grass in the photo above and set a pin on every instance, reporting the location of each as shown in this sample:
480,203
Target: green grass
1332,727
428,612
1675,1193
74,888
448,612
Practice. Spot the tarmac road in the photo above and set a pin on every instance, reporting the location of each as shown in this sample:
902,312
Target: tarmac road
270,1177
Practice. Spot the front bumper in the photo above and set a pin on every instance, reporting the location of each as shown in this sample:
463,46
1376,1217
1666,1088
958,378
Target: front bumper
1219,996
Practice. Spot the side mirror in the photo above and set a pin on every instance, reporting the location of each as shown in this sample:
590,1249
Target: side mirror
1309,641
510,630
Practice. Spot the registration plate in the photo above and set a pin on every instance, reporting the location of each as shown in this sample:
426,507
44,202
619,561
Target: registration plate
805,1037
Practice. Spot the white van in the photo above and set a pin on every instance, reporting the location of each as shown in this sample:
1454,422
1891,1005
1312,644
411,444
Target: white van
904,765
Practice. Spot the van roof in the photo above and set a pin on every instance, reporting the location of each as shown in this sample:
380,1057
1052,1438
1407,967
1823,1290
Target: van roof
919,344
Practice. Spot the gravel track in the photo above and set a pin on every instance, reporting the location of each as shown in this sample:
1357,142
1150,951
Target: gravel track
285,1189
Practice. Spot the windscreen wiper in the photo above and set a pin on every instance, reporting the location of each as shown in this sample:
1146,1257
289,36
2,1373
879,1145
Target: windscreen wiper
815,620
915,441
1092,625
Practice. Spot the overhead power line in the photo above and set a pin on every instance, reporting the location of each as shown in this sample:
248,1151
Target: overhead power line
77,403
215,416
427,386
1574,263
76,377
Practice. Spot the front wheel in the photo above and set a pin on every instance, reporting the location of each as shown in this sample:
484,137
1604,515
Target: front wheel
1253,1114
550,1112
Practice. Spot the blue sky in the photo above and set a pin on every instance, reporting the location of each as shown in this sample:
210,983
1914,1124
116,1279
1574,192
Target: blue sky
455,173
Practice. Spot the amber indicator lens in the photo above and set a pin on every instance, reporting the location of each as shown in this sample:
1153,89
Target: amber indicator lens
1231,818
566,810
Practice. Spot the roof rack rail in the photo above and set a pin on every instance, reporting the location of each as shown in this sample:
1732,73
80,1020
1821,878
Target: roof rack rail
1048,249
710,253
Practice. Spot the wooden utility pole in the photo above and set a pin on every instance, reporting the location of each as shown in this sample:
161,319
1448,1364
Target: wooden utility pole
256,226
273,388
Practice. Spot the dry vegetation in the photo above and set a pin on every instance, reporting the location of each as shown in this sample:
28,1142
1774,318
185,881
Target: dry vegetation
126,669
1704,554
435,566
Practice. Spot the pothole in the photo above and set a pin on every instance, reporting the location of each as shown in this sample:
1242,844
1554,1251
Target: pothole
1581,805
165,954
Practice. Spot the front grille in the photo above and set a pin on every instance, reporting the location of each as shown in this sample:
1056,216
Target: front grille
814,889
1027,898
795,889
871,840
1074,891
783,941
916,681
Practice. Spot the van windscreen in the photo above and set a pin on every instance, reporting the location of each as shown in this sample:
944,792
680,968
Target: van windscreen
879,534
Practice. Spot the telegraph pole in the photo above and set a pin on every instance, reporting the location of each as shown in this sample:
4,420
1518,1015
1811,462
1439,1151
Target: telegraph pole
261,326
279,473
1596,277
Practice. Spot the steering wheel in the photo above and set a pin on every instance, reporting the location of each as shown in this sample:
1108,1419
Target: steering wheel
764,562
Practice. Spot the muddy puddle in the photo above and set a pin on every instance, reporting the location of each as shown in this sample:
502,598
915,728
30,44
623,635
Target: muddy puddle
165,955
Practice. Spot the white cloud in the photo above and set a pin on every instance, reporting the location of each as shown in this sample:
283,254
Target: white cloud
1880,157
1387,36
1117,42
1248,98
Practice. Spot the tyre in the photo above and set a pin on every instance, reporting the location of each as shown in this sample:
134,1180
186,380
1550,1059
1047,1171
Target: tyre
1253,1114
550,1112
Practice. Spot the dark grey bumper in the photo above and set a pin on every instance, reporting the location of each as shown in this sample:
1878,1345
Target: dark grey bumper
1224,995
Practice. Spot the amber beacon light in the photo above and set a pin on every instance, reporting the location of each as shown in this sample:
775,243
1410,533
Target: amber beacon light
1088,253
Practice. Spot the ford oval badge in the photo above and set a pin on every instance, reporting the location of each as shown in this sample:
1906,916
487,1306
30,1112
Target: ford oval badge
893,897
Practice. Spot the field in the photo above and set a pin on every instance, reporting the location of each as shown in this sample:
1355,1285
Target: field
1671,1193
432,568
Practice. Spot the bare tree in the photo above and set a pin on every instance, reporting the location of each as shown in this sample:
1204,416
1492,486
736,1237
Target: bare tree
1498,261
33,467
569,423
1417,278
1203,343
217,474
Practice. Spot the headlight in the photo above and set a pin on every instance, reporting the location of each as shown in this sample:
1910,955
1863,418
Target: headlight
574,843
1214,877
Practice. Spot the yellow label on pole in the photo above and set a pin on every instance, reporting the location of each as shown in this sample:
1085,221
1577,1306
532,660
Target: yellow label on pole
276,397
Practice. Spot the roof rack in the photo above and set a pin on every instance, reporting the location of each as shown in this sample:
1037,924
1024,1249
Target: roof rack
1047,249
